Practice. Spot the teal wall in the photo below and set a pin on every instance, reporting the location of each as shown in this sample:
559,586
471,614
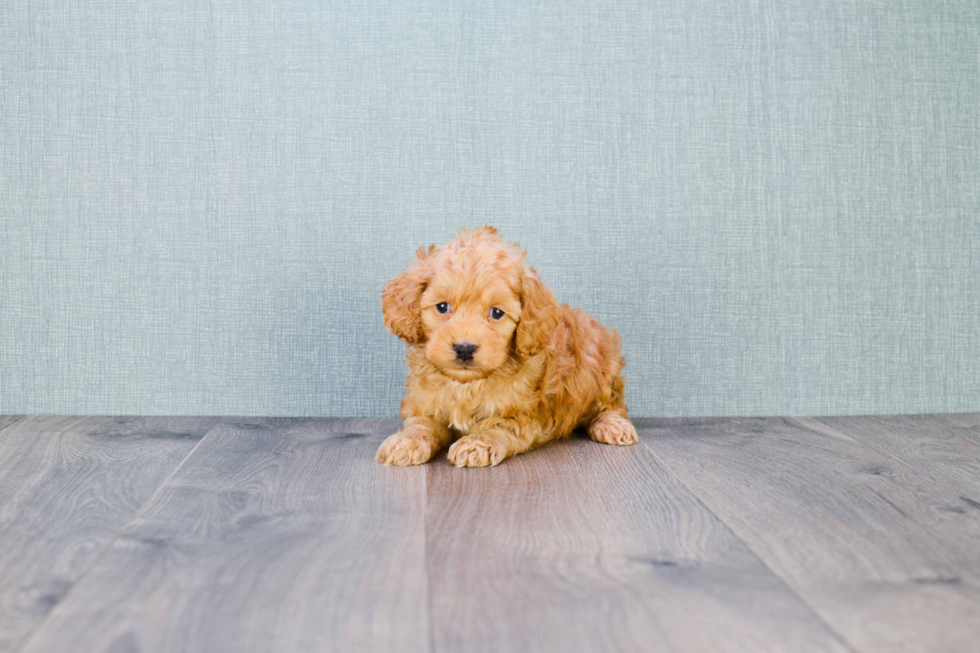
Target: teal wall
776,203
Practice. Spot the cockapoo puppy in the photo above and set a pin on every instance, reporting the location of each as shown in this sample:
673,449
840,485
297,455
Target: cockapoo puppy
495,363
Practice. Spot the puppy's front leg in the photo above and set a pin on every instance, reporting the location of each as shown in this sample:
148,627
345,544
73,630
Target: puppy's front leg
491,441
417,441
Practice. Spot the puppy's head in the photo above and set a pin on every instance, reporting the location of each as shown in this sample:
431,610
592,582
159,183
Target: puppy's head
472,304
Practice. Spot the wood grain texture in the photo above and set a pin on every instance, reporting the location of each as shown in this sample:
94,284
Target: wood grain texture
276,535
885,554
7,420
67,485
946,448
581,546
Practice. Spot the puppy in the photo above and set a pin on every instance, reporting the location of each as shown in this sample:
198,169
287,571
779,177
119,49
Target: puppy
495,363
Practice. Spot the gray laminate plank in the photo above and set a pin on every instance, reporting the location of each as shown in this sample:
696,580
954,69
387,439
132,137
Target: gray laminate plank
582,546
7,420
944,447
67,486
878,549
275,535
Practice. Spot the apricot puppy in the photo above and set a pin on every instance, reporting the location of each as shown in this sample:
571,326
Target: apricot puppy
496,366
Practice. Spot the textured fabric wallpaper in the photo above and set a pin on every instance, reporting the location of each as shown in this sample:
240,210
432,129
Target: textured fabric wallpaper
777,204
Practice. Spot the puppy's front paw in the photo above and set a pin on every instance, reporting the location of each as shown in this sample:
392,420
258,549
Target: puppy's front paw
613,429
472,451
410,447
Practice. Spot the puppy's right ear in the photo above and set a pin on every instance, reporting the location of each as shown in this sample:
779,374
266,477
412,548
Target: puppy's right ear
401,297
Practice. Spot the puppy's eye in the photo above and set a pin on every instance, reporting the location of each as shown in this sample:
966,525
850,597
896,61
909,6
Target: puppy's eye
442,307
496,313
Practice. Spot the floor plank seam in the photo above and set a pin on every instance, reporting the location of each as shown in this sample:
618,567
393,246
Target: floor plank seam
428,570
39,625
816,615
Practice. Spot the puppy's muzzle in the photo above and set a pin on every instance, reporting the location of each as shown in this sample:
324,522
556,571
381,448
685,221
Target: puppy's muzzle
464,351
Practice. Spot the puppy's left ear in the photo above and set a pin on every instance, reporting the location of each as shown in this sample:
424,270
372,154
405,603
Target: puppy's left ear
540,314
401,297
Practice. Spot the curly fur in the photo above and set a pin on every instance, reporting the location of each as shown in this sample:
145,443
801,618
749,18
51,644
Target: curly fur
538,372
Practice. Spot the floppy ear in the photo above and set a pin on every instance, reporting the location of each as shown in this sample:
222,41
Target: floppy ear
400,300
540,314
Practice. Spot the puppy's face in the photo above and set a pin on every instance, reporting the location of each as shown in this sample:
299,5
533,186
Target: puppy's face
472,305
470,310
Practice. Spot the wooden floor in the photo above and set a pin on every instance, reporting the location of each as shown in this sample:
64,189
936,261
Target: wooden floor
131,534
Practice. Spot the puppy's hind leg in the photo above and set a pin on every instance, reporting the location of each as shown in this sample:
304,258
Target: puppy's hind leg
613,427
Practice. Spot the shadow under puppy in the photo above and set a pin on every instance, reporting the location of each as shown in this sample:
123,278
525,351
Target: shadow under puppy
495,363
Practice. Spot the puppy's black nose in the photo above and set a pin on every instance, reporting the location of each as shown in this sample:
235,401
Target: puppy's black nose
464,351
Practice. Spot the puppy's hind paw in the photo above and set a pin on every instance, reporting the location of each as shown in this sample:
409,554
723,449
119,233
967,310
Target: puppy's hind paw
612,428
472,451
405,448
